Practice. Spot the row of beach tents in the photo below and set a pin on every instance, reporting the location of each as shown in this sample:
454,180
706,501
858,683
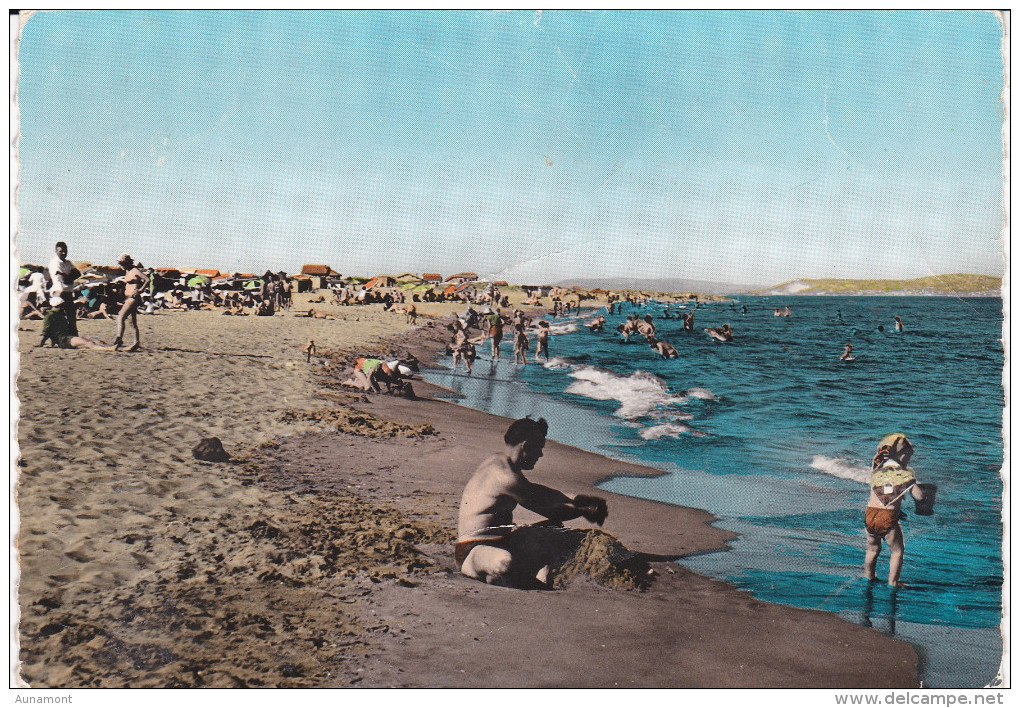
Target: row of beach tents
312,276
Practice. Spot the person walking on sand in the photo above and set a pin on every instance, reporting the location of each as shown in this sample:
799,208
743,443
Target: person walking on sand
62,275
134,281
891,478
489,547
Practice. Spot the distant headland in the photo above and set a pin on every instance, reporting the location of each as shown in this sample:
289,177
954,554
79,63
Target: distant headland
955,284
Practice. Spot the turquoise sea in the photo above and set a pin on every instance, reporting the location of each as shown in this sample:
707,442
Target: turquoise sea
774,435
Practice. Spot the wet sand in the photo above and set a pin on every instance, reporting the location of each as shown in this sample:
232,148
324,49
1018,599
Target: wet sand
320,555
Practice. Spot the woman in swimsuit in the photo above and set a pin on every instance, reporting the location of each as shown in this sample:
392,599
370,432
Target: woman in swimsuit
134,281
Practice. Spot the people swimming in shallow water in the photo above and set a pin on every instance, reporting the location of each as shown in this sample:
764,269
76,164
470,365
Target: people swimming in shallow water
899,323
891,479
847,353
723,334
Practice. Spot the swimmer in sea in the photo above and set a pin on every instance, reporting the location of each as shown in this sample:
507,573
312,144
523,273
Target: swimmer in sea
891,478
847,356
899,323
598,324
665,349
723,334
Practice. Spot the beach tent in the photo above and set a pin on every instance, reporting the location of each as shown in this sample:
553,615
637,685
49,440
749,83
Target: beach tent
432,277
381,281
252,284
302,282
211,272
198,280
461,277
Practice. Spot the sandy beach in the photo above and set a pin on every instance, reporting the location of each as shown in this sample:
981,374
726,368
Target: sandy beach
320,556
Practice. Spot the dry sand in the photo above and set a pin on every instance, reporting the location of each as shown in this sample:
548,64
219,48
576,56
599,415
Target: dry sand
320,556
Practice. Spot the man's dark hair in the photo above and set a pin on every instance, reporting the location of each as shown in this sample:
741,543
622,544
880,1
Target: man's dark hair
60,244
525,429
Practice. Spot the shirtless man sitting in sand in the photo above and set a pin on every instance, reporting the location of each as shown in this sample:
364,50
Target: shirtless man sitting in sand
486,548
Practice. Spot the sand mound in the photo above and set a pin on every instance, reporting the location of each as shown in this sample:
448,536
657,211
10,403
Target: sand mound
576,555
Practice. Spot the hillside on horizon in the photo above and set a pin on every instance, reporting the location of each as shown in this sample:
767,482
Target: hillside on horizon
664,285
947,284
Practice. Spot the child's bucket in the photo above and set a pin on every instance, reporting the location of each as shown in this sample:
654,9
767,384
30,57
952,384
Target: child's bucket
925,506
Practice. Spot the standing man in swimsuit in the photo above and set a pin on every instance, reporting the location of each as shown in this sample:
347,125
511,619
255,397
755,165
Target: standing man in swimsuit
486,548
134,282
495,332
890,479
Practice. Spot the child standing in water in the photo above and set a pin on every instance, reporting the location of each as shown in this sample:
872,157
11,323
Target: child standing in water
890,480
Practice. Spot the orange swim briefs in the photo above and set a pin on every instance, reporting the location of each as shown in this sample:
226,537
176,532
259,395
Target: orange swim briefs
879,522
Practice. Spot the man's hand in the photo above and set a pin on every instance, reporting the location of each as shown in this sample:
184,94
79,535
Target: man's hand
594,509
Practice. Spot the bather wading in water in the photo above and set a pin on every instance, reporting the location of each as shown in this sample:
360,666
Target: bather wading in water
891,479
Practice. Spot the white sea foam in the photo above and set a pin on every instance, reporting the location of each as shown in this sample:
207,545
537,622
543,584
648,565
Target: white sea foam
841,468
638,393
563,328
702,393
557,362
664,430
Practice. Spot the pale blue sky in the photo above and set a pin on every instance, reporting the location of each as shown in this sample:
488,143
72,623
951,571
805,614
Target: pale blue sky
741,147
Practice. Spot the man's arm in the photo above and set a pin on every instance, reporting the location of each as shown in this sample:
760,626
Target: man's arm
557,506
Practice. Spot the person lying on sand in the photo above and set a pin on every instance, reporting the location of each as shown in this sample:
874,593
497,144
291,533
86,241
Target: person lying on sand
891,478
486,549
312,312
56,329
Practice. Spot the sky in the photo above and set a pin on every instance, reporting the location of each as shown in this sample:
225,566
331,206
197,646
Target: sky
533,147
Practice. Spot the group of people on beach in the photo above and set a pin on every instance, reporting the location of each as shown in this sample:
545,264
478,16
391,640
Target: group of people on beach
59,310
491,326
